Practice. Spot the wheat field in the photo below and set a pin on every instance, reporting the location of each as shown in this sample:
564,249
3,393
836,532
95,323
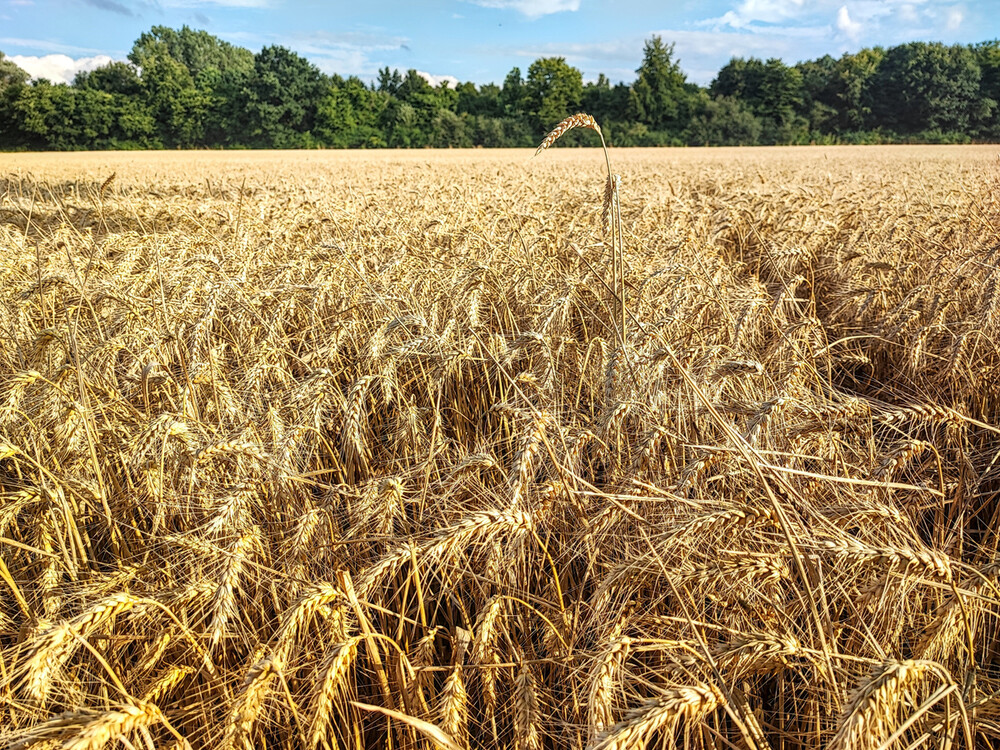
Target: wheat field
390,450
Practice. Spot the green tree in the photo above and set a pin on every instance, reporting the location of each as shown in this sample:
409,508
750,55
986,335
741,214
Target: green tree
448,130
772,91
512,93
819,104
427,101
43,115
336,121
468,98
114,78
488,132
59,117
660,98
552,91
184,87
348,116
740,79
389,82
417,91
605,102
486,101
280,99
13,80
925,86
11,74
849,85
196,50
399,121
988,57
135,127
177,106
192,82
723,121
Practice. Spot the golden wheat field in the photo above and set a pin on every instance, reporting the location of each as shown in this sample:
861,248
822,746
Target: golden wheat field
405,449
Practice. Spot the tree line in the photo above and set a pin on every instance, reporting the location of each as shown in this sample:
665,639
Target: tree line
184,88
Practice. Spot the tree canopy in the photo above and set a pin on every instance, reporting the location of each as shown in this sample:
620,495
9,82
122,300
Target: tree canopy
185,88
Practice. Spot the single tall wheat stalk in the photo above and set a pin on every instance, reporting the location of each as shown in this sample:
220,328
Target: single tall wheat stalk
611,217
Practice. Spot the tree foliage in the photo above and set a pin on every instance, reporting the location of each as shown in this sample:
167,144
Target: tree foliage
552,91
11,74
660,98
184,88
921,86
771,90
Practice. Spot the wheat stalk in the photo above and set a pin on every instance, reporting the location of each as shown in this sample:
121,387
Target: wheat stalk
665,712
115,725
333,691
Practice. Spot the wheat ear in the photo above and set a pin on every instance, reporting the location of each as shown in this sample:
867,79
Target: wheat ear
579,120
115,725
872,709
665,712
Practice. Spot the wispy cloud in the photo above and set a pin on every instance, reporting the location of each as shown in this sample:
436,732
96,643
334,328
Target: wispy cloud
111,5
45,45
217,3
532,8
58,68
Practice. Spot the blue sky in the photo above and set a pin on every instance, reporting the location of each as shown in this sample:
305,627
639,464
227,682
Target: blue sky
480,40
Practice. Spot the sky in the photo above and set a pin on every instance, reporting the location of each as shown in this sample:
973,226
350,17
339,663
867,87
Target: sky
481,40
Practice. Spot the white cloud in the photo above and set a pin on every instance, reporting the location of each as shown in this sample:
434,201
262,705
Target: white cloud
532,8
768,11
58,68
848,23
850,28
436,81
900,19
908,13
897,13
345,53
